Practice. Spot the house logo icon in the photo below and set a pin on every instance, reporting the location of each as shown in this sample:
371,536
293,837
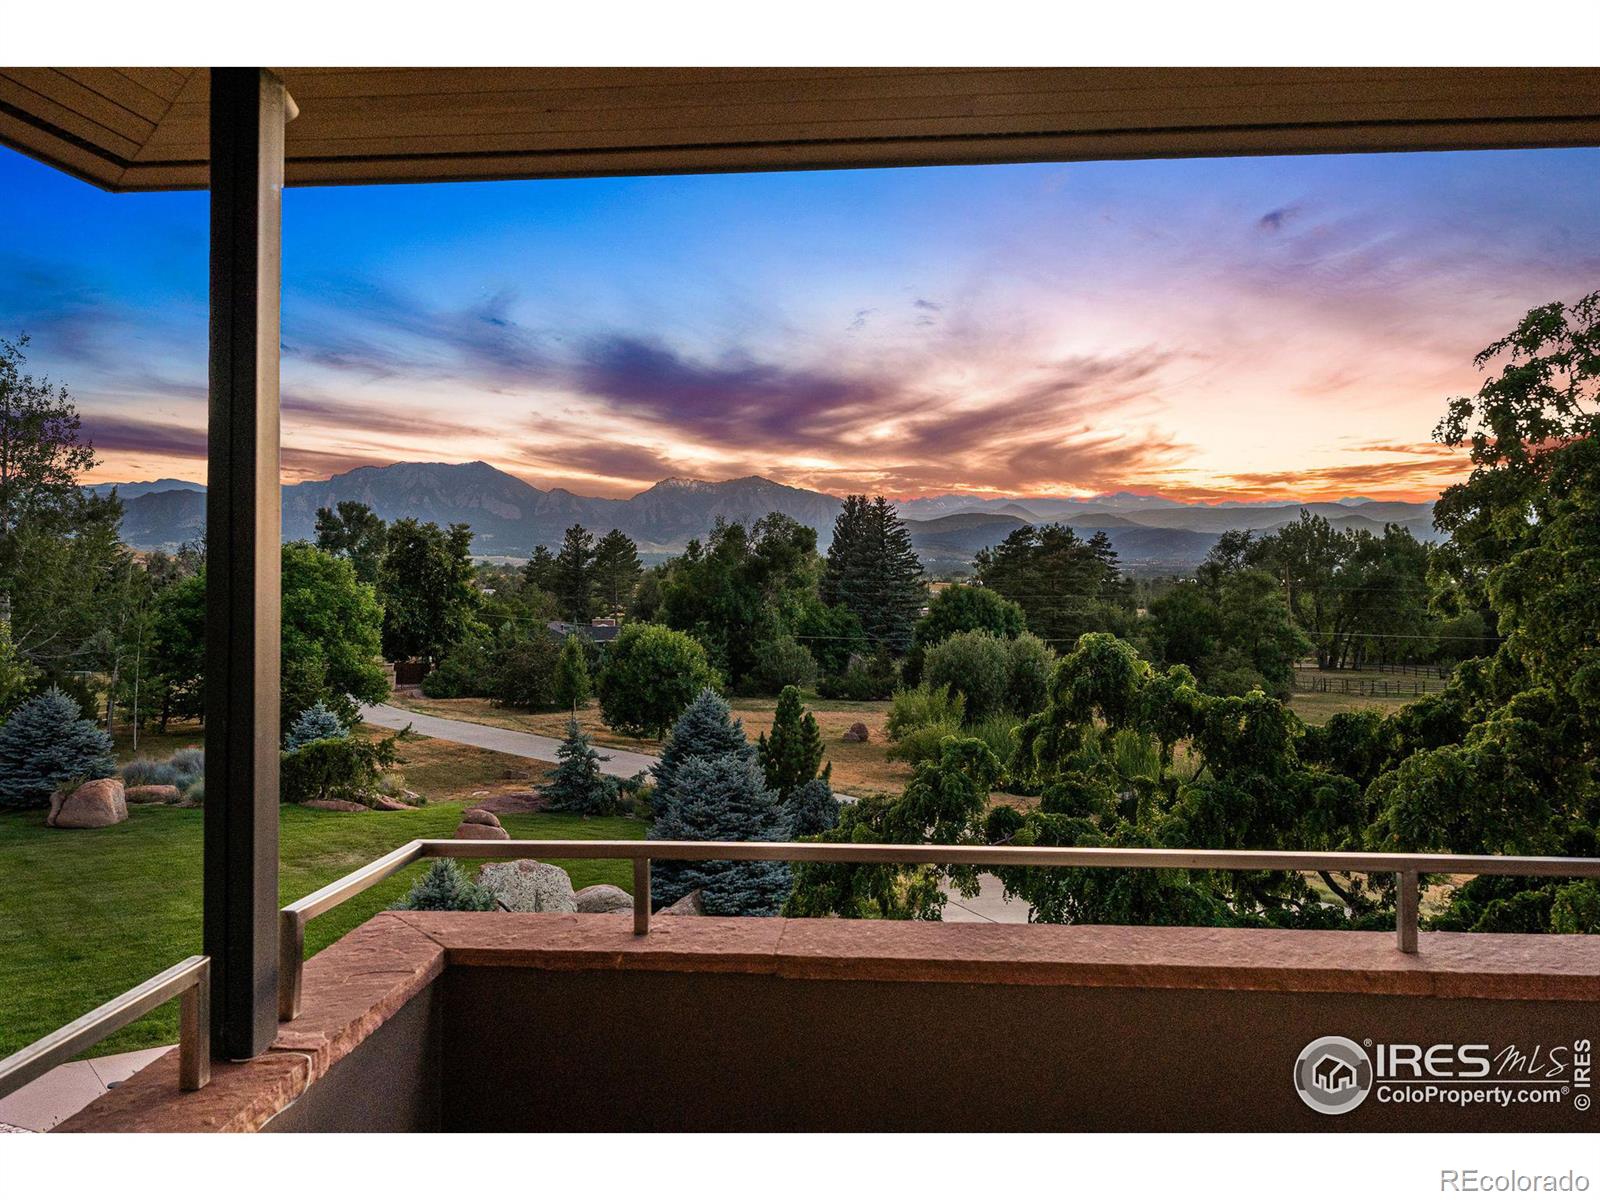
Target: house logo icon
1333,1075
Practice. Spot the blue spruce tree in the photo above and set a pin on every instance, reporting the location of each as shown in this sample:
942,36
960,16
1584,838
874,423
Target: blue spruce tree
577,786
47,742
707,727
722,798
313,725
812,808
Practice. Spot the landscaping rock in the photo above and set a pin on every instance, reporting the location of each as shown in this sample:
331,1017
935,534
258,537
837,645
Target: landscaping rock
479,816
390,804
153,793
856,733
335,805
94,805
481,833
692,905
604,898
528,885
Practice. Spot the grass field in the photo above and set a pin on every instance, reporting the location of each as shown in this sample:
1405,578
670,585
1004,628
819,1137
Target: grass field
1316,706
858,767
89,913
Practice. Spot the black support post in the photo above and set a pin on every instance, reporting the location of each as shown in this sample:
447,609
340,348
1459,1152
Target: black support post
248,111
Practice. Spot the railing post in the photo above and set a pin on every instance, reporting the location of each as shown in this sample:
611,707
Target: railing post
194,1033
641,896
291,961
1408,897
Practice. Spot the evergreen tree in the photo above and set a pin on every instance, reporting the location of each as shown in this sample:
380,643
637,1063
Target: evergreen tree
578,786
793,754
313,725
616,570
705,729
572,684
722,799
572,577
873,571
812,809
539,571
446,888
45,743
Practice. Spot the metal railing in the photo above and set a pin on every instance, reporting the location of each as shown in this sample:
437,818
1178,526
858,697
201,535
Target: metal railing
1406,868
189,980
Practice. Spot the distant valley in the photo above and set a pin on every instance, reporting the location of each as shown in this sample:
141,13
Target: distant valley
509,517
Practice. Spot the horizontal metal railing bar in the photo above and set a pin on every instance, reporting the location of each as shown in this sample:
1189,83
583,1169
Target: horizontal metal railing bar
190,979
1406,869
1360,862
358,881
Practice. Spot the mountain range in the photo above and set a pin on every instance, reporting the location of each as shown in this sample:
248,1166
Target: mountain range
510,517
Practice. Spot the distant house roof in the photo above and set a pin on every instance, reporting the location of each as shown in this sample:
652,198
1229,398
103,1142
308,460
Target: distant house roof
595,631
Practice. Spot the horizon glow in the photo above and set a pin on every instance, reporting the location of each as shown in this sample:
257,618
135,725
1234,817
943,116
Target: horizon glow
1206,329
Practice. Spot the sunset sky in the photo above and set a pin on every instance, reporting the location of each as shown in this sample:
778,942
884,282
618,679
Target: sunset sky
1214,329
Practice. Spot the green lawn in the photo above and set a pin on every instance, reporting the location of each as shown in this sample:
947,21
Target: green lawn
86,914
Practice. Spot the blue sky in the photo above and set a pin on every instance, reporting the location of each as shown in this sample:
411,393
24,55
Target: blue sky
1209,328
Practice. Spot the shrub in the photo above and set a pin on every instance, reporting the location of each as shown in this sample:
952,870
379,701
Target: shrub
923,743
191,760
446,888
344,768
651,674
467,670
974,664
149,772
781,662
999,733
45,743
572,684
15,674
812,809
873,678
577,786
793,754
923,705
195,793
722,799
1029,665
524,675
314,725
961,608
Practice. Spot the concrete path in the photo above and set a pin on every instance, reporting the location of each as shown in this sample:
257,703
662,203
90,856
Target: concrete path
56,1095
990,904
503,741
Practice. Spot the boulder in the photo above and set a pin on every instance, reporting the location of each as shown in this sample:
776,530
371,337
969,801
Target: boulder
481,833
390,804
479,816
692,905
94,805
153,793
856,733
528,885
604,898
